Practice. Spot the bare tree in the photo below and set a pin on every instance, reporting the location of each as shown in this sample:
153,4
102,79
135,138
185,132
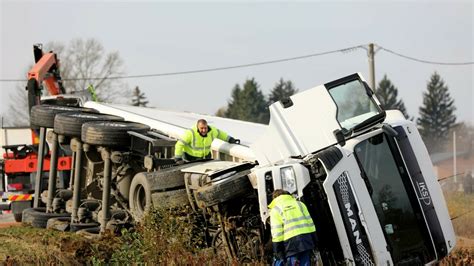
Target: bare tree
82,63
17,114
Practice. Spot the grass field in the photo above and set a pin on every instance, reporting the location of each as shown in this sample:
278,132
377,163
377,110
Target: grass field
461,210
169,238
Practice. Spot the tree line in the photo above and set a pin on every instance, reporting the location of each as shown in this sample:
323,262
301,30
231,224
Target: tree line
436,115
82,59
248,102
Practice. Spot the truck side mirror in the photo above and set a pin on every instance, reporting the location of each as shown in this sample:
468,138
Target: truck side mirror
286,102
388,129
341,140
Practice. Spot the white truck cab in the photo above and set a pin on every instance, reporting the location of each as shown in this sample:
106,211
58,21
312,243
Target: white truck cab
364,173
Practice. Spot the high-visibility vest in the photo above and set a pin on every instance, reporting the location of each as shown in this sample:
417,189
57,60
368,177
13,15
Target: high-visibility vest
196,145
289,218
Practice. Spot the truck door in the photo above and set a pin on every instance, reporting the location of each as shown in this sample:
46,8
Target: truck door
395,202
358,229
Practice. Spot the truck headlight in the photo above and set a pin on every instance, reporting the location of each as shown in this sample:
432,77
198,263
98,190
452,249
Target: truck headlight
288,179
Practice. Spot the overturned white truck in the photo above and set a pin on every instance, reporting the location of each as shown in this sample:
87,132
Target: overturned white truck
363,172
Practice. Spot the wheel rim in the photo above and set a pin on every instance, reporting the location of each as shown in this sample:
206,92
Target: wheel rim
140,200
218,244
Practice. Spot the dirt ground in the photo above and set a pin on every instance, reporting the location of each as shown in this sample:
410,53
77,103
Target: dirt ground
9,224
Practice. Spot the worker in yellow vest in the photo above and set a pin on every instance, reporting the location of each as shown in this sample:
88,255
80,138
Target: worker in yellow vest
196,142
293,230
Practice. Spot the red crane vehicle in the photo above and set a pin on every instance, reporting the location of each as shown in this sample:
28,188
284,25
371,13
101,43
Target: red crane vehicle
19,158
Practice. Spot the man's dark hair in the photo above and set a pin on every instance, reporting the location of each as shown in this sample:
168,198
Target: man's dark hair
279,192
201,121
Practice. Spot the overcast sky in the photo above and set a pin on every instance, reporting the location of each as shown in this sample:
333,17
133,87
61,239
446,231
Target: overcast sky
156,37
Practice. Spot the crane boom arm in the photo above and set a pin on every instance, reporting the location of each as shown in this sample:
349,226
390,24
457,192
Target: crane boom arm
45,70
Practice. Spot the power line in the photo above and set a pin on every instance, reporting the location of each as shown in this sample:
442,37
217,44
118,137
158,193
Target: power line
349,49
426,61
462,214
446,177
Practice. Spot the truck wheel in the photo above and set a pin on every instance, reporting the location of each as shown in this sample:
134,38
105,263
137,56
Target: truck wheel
32,97
59,223
70,124
139,197
92,230
17,217
147,188
90,233
73,102
40,217
218,244
80,226
27,218
90,204
224,190
170,199
165,179
110,133
43,115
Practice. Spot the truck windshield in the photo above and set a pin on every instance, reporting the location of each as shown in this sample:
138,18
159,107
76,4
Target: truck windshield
395,201
354,105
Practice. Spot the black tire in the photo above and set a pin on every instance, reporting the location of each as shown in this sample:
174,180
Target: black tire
224,190
18,217
118,215
110,133
166,179
40,217
73,102
74,227
145,185
90,204
139,197
43,115
90,233
33,98
27,218
59,223
218,244
91,230
70,124
170,199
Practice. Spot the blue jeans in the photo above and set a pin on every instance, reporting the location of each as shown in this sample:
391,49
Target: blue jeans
299,259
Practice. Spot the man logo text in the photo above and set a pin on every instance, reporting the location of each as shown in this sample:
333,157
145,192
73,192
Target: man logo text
353,223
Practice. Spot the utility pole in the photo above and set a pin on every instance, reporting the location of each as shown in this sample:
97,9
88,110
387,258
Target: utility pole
455,168
371,54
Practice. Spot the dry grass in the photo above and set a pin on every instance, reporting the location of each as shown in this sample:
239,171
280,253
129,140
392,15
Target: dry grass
461,209
172,237
27,245
167,237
